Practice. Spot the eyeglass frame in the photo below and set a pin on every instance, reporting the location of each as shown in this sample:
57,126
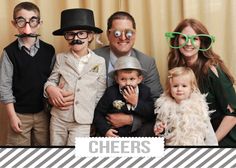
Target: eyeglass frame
126,31
169,35
29,22
76,34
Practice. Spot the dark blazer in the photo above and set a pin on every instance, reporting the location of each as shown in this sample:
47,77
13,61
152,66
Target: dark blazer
152,79
144,109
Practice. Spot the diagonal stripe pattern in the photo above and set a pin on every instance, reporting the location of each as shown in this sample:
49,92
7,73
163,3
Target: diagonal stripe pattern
64,157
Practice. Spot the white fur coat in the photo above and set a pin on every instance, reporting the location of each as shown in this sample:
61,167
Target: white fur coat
188,123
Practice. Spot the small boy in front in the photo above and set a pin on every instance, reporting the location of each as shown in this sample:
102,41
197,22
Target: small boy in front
25,66
128,96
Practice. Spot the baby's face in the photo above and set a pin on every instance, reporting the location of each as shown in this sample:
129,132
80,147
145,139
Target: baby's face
180,87
128,78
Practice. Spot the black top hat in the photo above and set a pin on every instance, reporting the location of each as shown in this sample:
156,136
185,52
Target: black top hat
72,19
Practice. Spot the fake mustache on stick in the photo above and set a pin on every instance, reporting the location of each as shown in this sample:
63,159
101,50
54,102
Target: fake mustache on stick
27,35
74,42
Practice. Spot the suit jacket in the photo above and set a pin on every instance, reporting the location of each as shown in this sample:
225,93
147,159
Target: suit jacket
88,86
144,108
152,79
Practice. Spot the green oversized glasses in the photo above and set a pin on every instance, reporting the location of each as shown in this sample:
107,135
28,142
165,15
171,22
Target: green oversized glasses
205,40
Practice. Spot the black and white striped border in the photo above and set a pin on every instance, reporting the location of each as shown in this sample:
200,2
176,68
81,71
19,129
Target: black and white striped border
64,157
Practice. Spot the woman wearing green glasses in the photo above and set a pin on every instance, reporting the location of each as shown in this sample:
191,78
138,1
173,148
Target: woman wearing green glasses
190,45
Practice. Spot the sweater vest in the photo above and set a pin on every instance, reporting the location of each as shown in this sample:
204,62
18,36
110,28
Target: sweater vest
29,75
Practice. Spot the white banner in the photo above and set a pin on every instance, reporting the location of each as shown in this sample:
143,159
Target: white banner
119,147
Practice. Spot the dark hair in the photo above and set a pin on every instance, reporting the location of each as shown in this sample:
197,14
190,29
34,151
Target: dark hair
206,59
129,70
27,6
120,15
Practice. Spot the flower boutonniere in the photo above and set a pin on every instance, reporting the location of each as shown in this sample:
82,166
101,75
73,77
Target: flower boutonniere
95,68
118,104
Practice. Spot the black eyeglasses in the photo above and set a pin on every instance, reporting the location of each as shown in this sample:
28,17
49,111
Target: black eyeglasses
33,22
79,34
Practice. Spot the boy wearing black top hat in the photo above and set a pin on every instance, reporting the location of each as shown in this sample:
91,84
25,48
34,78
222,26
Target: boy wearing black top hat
25,66
80,71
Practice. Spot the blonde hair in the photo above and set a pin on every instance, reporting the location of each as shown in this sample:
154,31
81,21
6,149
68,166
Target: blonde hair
179,71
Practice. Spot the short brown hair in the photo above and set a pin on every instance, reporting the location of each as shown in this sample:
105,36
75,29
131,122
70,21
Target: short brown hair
120,15
27,6
129,70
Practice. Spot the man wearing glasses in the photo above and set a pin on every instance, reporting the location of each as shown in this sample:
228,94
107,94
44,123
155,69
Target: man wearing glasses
25,66
121,36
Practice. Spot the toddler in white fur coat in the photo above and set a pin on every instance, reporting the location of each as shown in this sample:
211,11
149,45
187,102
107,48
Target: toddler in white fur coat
182,112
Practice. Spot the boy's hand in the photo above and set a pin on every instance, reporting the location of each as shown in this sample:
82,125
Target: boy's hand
68,97
130,95
14,120
16,124
111,133
60,98
55,96
159,128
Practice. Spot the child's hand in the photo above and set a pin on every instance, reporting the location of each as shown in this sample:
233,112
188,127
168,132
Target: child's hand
111,133
130,95
16,124
55,96
68,98
159,128
119,119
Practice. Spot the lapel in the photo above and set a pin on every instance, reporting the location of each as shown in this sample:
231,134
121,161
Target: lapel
107,57
141,91
90,65
133,54
70,61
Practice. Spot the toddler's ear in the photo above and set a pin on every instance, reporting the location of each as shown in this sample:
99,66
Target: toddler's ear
140,79
116,78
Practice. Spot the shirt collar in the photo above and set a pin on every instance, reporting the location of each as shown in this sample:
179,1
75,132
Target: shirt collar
113,57
21,44
84,58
